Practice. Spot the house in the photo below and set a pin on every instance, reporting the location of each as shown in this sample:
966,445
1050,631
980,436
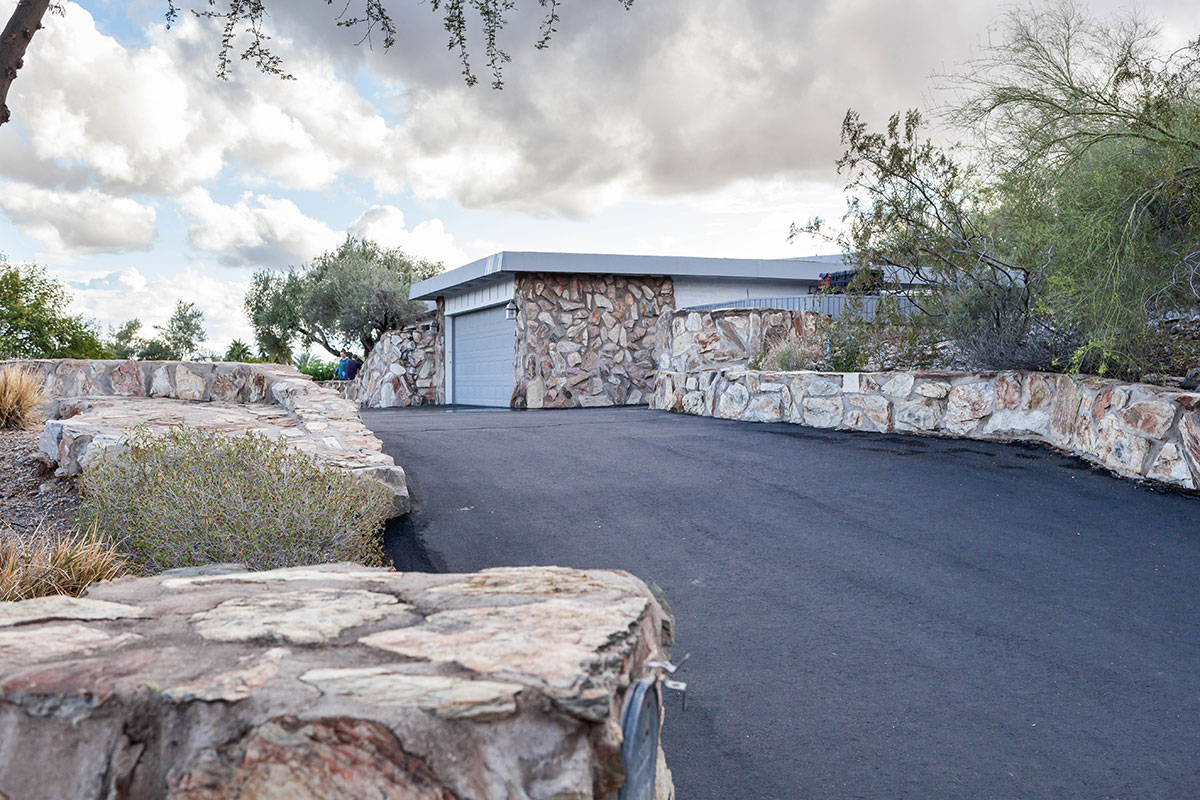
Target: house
557,330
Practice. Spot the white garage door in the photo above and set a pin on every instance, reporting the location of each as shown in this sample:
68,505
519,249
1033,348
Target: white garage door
483,358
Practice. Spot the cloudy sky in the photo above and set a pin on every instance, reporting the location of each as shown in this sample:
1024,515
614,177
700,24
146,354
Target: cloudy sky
681,127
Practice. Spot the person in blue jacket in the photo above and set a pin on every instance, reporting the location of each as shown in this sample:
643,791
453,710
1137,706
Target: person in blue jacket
339,373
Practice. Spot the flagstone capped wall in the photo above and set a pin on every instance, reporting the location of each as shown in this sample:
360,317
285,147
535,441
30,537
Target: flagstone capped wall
336,682
94,404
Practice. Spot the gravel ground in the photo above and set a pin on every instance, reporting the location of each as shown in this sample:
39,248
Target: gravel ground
30,495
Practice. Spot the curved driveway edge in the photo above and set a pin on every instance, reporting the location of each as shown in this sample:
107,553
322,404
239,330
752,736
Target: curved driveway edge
869,615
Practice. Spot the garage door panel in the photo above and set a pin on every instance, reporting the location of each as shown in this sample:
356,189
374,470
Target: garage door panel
483,358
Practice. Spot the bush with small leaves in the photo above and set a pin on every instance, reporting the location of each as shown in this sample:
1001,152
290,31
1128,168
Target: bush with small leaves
190,497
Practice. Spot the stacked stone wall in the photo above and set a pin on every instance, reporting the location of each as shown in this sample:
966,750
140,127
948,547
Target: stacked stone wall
405,368
587,340
336,682
691,340
1135,430
92,405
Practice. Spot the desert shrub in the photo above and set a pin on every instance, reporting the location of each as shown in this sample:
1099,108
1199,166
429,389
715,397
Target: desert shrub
998,327
20,395
41,567
789,353
189,497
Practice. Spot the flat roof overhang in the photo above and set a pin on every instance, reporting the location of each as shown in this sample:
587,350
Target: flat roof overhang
499,266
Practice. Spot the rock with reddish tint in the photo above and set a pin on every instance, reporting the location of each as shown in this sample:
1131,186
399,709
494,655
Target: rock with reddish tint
968,404
1008,390
1189,436
1151,418
875,410
1039,391
1170,466
343,683
128,379
228,385
1065,409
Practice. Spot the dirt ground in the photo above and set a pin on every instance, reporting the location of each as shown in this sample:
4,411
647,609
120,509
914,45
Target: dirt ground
30,496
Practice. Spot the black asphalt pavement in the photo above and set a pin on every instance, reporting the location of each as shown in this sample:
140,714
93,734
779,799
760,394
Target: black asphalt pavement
868,616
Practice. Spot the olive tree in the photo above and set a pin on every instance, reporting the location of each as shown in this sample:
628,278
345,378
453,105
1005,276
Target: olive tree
344,299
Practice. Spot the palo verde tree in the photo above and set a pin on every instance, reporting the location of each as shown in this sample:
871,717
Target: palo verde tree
343,299
1072,215
244,31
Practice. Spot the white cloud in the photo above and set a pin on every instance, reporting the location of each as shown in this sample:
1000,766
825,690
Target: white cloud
154,118
111,298
429,239
257,231
265,231
87,221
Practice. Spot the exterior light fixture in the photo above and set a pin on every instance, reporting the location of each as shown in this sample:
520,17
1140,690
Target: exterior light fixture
510,310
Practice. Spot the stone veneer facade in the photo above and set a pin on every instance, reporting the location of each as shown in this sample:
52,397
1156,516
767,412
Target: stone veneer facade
335,682
587,340
405,368
1135,430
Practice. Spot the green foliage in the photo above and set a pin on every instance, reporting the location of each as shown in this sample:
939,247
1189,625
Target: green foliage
178,340
1074,219
183,333
189,497
239,351
34,322
344,299
315,368
124,341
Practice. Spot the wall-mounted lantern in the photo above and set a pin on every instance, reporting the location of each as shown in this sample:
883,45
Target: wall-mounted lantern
510,310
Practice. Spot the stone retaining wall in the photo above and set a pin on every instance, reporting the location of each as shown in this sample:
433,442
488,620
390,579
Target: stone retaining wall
336,682
587,340
691,340
405,368
1136,430
93,403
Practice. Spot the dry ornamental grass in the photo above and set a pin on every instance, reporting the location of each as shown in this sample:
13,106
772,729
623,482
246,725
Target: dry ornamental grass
43,566
20,395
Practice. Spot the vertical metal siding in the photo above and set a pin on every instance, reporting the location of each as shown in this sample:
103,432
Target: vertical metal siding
832,304
484,347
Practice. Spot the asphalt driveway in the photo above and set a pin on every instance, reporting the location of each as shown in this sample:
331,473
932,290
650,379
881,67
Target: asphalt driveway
868,615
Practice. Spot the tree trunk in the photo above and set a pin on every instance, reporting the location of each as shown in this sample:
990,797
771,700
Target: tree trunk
25,21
